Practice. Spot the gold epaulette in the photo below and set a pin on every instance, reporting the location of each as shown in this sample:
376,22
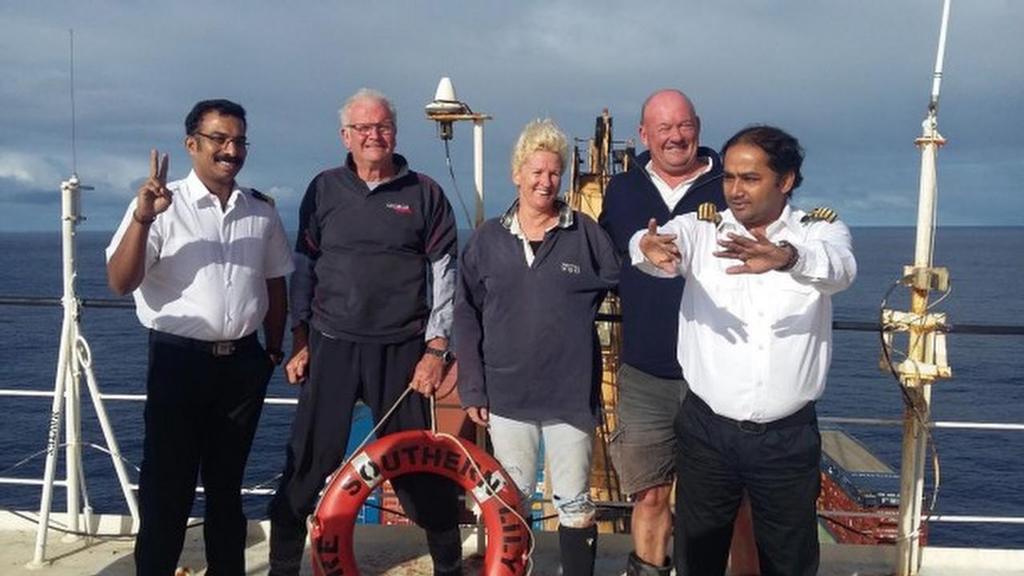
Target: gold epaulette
708,212
261,196
820,213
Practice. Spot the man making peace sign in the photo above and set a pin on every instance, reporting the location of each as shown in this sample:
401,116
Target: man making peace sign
205,261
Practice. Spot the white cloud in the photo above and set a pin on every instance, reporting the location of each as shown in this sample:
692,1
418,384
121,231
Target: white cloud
27,169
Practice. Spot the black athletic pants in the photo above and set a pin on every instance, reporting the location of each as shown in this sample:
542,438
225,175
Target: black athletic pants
340,373
777,464
201,414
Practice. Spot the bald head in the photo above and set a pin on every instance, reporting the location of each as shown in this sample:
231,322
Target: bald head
670,129
668,97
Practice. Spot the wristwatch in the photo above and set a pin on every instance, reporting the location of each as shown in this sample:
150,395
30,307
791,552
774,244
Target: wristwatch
794,256
445,355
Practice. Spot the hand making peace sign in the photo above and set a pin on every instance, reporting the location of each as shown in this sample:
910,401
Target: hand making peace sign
153,196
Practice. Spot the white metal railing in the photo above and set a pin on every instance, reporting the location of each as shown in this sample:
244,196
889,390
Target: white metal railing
258,490
937,424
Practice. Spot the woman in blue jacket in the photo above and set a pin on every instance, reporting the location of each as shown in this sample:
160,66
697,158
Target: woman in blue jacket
530,285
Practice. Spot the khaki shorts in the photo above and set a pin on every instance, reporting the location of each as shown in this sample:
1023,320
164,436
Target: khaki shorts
643,445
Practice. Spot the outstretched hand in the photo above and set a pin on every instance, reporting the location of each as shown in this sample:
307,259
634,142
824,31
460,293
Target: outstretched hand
153,196
660,249
757,256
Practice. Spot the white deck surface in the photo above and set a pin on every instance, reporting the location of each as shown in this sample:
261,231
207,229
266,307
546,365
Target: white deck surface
401,551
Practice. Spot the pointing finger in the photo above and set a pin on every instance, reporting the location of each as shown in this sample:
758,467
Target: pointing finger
153,169
161,175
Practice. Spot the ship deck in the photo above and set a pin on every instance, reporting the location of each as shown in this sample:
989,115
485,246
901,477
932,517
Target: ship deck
401,550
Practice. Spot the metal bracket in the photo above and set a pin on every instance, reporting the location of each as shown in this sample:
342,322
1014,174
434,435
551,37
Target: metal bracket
931,279
924,330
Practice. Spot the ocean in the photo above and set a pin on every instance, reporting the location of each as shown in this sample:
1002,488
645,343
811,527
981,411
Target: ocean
980,470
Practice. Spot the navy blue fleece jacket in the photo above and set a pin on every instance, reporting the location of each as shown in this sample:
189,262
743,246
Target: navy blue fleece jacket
524,335
650,321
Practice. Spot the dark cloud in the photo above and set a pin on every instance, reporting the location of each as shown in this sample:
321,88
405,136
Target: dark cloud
15,192
850,79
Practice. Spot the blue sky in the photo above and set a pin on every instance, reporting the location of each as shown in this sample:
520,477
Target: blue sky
850,79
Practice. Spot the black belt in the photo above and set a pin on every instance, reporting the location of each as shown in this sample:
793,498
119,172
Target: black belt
804,415
218,348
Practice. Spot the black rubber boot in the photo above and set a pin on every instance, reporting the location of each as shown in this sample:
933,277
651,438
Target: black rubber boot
637,567
446,552
579,548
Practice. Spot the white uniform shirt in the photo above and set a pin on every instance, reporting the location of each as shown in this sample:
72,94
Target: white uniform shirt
756,346
206,268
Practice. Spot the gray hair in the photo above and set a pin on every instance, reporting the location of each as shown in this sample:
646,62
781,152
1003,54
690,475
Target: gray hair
366,94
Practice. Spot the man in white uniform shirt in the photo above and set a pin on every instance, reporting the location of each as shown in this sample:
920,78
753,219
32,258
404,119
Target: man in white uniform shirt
205,261
755,338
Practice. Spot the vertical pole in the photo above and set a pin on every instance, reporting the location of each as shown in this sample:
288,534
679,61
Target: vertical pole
66,356
915,435
73,403
478,181
918,388
478,168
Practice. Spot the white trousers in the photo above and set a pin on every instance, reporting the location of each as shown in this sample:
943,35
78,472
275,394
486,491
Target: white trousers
568,448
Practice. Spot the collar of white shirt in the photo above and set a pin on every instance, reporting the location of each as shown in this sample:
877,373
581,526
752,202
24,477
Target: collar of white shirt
672,195
788,220
198,194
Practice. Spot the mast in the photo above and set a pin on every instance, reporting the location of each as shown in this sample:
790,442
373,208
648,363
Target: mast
926,346
74,363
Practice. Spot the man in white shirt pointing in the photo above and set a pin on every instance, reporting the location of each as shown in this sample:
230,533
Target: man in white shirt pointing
755,339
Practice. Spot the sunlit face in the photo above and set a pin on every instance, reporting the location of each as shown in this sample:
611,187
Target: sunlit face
755,194
671,132
538,180
370,132
217,148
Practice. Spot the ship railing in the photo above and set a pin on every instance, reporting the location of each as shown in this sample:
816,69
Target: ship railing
888,422
838,325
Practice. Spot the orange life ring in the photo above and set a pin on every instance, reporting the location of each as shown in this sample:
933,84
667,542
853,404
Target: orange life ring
410,452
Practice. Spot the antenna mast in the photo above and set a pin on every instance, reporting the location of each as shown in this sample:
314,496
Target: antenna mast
74,138
926,359
74,363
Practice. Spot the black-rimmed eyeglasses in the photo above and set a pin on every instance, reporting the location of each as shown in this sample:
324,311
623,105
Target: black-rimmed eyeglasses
222,141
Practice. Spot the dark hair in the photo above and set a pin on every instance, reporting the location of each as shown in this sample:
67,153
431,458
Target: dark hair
784,152
221,106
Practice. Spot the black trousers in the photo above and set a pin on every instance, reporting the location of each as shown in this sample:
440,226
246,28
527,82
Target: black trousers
200,418
778,465
340,373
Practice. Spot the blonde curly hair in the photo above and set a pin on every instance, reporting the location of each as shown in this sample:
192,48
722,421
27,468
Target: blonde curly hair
540,135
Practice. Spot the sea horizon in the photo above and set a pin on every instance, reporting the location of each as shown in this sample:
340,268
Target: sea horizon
978,477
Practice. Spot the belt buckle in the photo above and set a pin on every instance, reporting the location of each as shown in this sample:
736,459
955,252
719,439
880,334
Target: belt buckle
751,427
223,348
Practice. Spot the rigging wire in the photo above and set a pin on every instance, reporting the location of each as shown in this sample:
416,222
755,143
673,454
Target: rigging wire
908,401
61,529
455,183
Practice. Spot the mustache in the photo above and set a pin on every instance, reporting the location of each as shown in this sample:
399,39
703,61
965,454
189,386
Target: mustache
229,158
